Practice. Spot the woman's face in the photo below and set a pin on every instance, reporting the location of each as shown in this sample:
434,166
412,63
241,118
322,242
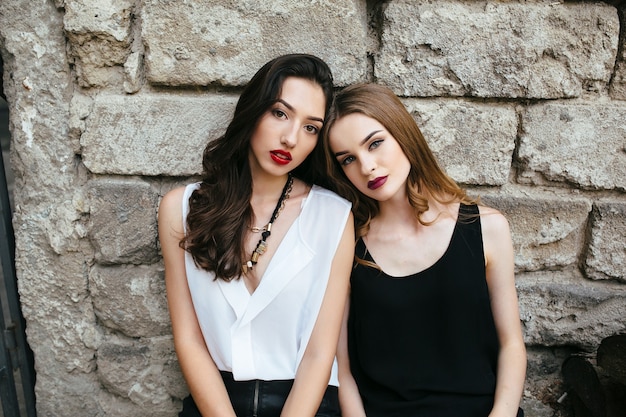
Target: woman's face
288,131
370,157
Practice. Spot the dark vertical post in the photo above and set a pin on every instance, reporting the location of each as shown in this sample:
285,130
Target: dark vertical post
13,333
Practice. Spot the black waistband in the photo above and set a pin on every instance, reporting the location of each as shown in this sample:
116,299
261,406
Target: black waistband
267,398
263,398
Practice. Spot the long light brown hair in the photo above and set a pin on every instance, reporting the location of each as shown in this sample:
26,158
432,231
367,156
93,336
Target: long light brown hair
426,178
220,211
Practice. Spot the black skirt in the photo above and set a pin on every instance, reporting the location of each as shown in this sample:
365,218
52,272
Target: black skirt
258,398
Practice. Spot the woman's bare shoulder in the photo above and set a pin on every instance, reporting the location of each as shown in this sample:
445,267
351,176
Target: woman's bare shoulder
171,208
493,222
174,195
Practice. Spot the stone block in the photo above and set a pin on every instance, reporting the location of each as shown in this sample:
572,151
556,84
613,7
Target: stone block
123,226
474,142
37,86
225,43
133,70
578,144
130,299
606,254
66,393
562,308
54,299
100,36
547,232
116,406
80,107
618,82
161,134
497,49
144,371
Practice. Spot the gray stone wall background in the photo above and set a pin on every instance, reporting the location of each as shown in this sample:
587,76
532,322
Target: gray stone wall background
112,101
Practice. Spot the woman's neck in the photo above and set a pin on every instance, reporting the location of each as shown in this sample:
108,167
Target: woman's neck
394,215
399,214
267,188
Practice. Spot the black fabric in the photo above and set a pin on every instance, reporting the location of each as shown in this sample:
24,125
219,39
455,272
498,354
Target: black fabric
426,344
270,398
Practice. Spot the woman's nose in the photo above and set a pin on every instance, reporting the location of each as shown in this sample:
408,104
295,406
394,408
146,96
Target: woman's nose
289,137
367,165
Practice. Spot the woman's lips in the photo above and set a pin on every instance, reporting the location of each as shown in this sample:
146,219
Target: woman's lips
376,183
280,157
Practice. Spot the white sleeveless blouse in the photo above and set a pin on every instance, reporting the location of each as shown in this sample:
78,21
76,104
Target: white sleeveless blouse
263,335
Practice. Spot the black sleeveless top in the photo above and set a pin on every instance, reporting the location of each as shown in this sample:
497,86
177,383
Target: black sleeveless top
426,344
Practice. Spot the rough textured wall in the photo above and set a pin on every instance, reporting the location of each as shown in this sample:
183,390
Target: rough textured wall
112,101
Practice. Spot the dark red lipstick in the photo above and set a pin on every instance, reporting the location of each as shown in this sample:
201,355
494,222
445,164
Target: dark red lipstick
280,157
376,183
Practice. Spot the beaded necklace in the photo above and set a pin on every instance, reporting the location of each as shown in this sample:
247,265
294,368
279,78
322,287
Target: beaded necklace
266,231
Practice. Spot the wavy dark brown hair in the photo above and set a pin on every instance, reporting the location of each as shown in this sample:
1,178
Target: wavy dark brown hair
220,211
426,177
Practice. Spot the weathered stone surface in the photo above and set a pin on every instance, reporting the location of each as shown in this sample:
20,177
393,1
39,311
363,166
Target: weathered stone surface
547,231
161,134
60,326
606,255
80,107
61,321
581,144
201,43
123,225
143,371
133,70
130,299
618,83
474,142
64,224
563,308
497,49
110,17
67,393
116,405
38,92
51,256
100,36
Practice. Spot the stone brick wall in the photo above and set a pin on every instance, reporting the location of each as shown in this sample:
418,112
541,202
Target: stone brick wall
112,101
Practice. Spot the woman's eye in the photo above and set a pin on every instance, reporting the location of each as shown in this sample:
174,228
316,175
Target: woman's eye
347,160
279,113
375,144
312,129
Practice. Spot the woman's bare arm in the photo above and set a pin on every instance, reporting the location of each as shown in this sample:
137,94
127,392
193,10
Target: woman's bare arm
499,256
349,397
314,371
203,378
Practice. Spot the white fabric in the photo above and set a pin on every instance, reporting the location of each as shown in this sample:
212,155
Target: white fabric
263,335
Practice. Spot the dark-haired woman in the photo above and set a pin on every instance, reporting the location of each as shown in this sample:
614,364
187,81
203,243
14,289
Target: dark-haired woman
257,257
433,328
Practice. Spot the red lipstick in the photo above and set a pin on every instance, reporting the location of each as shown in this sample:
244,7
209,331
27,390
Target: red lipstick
376,183
280,157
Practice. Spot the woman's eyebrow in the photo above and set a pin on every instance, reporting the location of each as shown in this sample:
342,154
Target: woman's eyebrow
368,137
360,144
290,107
